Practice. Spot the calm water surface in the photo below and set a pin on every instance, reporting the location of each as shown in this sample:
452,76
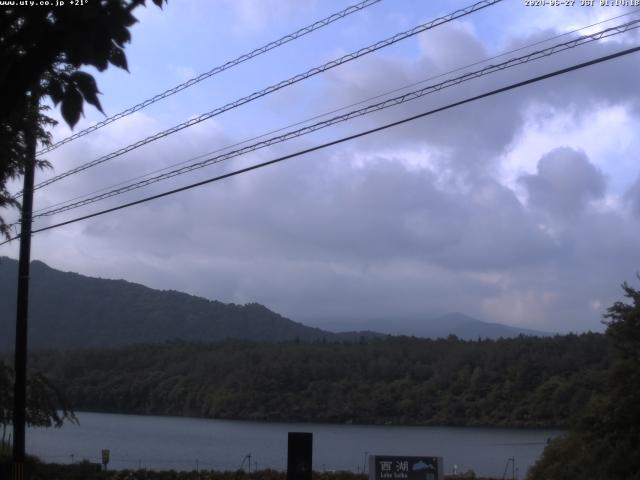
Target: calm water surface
189,443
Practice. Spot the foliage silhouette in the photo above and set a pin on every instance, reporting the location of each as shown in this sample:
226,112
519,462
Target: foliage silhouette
42,49
604,440
47,406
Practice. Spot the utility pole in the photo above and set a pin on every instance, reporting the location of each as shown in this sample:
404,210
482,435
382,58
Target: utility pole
20,362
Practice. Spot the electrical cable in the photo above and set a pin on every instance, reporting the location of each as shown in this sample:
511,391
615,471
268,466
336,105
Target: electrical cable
345,139
275,87
537,55
315,117
214,71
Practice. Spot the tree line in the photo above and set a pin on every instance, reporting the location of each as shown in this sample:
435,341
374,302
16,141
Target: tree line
520,382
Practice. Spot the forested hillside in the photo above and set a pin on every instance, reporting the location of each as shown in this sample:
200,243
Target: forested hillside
68,310
516,382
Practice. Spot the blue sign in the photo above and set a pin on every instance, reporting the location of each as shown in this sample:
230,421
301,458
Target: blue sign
388,467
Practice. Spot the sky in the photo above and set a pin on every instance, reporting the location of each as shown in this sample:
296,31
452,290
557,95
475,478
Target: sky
522,208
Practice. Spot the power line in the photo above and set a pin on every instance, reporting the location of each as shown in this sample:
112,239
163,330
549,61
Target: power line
344,139
275,87
410,96
214,71
315,117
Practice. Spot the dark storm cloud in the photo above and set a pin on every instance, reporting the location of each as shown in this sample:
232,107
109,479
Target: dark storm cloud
323,237
406,223
477,133
564,183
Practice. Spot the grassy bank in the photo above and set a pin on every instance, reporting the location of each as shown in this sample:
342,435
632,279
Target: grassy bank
91,471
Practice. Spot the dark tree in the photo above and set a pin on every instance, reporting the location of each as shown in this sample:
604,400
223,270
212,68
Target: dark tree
47,406
41,52
604,441
623,324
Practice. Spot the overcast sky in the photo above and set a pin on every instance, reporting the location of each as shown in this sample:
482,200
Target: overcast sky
523,208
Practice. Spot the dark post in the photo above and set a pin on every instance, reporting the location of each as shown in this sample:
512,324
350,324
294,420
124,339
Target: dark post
300,456
20,363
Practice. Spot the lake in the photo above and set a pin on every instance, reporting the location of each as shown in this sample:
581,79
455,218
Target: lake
193,443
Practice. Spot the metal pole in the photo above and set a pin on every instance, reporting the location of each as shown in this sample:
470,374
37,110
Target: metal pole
20,362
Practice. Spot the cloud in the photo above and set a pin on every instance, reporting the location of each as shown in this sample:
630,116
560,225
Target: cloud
254,15
545,127
414,221
487,126
183,73
330,237
451,45
632,197
541,19
564,183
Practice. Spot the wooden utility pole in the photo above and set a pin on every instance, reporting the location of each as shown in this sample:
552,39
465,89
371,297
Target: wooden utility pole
20,362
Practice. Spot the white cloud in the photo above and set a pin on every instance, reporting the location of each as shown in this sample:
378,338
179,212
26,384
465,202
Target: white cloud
183,73
256,15
547,18
604,133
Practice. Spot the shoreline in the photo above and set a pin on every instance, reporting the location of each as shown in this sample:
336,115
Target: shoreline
562,428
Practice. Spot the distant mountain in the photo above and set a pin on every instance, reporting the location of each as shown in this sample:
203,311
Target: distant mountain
469,328
458,324
69,310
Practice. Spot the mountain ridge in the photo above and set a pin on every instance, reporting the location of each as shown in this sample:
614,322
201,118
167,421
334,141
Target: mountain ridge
459,324
70,310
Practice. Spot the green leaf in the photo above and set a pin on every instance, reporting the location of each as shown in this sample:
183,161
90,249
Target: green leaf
71,106
55,91
86,84
118,58
121,36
